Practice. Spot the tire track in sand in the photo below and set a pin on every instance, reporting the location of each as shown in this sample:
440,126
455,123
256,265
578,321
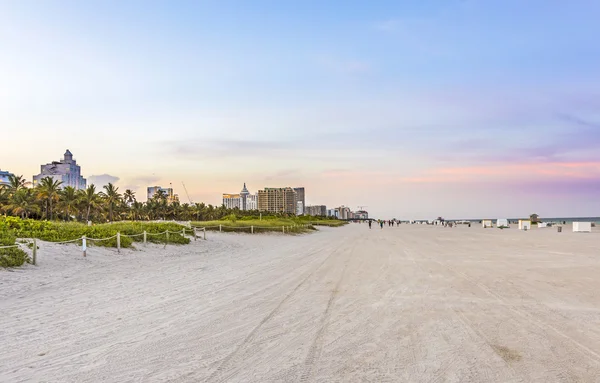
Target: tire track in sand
318,340
217,374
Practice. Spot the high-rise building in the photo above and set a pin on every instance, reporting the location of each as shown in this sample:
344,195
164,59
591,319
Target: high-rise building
252,202
5,177
232,201
343,212
299,208
316,210
300,196
243,201
244,198
168,193
66,171
333,213
277,200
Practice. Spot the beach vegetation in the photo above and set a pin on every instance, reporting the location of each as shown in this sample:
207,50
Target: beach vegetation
48,200
13,256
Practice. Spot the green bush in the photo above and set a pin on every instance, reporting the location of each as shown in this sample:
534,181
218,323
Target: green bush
14,256
67,231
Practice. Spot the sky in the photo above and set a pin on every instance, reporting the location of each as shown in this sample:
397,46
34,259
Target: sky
453,108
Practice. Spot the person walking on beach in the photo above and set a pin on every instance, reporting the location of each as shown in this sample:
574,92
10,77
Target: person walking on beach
381,224
369,224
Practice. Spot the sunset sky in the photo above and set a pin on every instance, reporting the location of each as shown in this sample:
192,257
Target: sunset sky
451,108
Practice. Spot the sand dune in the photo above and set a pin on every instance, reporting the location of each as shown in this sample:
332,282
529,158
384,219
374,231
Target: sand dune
403,304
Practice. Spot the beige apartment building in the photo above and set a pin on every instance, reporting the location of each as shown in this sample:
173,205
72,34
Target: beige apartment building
277,200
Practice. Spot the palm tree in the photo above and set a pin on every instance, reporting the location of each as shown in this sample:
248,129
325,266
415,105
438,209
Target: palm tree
186,210
199,210
22,203
89,200
16,183
112,197
47,191
137,210
129,197
68,200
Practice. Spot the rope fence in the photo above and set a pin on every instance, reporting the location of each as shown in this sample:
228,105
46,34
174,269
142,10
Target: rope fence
84,240
284,228
194,231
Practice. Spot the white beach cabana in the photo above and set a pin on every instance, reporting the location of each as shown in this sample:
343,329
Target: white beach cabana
502,222
487,223
524,224
582,227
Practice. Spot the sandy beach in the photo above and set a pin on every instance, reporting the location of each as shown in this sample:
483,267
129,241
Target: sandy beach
413,303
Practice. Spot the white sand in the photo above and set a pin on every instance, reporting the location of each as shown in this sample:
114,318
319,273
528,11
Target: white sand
403,304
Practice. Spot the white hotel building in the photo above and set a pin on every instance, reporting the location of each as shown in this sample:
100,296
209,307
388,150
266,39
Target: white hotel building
66,171
243,201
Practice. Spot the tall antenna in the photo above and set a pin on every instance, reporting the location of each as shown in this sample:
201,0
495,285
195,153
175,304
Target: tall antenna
186,193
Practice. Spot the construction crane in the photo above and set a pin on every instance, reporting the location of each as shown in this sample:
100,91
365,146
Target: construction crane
186,193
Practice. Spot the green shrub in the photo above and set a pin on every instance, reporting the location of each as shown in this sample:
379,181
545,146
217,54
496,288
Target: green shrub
14,256
67,231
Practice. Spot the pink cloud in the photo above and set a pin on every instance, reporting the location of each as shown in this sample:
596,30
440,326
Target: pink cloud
568,170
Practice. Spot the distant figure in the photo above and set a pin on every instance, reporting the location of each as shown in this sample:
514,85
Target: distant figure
369,224
381,224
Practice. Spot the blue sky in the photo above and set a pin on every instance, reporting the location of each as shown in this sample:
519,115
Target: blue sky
415,109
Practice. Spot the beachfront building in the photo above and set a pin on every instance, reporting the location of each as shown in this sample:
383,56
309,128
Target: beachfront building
5,177
167,192
277,200
300,197
231,201
252,202
343,212
361,214
66,171
299,208
333,213
316,210
243,200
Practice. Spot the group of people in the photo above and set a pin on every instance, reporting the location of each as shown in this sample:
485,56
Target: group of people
384,222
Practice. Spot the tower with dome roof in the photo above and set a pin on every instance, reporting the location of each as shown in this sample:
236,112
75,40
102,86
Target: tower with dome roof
66,171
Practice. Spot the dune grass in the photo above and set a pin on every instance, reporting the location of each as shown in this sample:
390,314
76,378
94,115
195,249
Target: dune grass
268,224
66,231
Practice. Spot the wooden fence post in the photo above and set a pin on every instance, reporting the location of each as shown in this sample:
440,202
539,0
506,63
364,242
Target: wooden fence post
204,229
195,235
251,229
34,251
220,228
84,246
118,242
167,240
144,237
283,227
